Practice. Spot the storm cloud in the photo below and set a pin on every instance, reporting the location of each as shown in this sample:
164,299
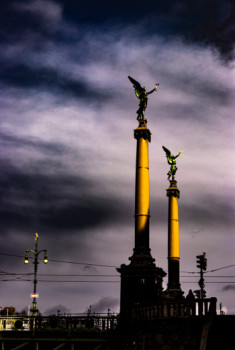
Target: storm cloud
228,287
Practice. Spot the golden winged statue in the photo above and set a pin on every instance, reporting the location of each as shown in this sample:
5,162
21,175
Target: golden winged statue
171,159
142,95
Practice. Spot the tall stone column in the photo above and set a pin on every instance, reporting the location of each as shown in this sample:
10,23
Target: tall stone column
173,239
141,280
143,137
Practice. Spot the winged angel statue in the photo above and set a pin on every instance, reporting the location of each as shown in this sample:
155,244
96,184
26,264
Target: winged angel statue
172,162
142,95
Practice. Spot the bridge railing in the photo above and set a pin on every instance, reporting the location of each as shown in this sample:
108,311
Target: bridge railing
171,308
63,322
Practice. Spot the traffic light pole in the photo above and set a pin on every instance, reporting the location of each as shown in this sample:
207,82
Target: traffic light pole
201,293
202,265
202,285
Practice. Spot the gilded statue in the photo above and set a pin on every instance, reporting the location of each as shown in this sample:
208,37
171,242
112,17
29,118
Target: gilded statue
171,159
142,95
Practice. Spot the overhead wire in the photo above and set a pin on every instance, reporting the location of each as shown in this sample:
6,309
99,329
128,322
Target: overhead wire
62,261
219,268
3,273
55,274
104,265
101,281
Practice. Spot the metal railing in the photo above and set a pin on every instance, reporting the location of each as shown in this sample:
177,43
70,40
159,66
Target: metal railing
101,322
170,308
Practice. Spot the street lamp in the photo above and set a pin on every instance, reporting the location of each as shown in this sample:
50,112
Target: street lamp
35,253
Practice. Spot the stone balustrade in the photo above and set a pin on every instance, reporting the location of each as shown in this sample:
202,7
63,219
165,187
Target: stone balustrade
172,308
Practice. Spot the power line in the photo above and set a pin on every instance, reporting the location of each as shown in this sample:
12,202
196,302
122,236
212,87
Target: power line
55,275
15,255
80,263
192,272
80,281
50,281
101,281
112,266
219,268
63,261
209,276
209,282
3,273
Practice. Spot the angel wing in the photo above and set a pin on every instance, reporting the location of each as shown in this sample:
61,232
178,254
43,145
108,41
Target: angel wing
136,85
168,153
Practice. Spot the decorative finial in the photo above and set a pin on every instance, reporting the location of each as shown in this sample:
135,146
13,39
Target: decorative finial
142,95
172,162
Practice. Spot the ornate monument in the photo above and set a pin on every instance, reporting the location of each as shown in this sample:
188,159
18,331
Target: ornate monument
141,280
151,318
173,194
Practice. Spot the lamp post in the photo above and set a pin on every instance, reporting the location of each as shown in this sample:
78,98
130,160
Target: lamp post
35,253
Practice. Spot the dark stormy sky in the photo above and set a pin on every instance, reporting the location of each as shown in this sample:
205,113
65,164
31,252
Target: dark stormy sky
68,154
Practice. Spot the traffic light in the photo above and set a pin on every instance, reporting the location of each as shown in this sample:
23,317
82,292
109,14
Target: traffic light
202,261
201,283
203,294
200,293
197,293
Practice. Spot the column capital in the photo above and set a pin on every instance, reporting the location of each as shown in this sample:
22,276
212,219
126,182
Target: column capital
173,191
142,132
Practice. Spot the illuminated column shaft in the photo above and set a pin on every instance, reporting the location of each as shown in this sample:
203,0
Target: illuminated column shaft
142,135
173,237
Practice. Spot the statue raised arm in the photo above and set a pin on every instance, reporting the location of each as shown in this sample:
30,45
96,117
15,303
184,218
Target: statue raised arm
142,95
171,159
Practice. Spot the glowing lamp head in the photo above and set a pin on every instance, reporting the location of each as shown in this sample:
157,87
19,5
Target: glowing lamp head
26,261
45,259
